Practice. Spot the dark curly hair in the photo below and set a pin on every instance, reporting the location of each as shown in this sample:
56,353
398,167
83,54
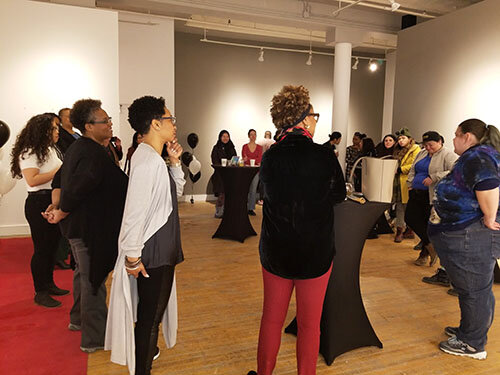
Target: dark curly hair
83,112
34,139
288,105
144,110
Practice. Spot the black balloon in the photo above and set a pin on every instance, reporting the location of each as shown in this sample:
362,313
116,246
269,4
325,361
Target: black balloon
5,133
192,140
187,158
195,177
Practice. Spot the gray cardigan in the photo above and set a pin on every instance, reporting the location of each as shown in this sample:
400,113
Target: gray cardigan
441,164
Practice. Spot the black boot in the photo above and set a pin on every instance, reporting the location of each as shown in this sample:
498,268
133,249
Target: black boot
43,299
56,291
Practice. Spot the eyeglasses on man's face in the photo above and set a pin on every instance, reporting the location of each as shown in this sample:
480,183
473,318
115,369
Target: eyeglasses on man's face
105,121
171,118
315,115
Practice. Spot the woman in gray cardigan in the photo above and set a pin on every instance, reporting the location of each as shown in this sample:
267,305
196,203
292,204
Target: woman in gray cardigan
431,164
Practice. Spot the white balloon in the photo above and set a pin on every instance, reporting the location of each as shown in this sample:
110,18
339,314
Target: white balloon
194,166
1,153
7,183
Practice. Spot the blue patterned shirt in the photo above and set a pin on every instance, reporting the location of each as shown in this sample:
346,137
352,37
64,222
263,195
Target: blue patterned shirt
456,205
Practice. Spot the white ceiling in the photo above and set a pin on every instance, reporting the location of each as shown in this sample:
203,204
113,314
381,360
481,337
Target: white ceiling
289,22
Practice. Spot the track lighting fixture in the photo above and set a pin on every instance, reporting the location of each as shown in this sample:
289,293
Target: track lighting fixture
355,65
309,60
261,55
394,6
372,65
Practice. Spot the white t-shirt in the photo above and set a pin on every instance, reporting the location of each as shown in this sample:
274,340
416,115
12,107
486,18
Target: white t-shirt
31,161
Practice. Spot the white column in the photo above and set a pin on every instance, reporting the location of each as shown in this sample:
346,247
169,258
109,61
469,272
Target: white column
390,74
341,89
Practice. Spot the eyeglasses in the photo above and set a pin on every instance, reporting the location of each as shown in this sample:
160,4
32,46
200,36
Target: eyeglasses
315,115
172,118
105,121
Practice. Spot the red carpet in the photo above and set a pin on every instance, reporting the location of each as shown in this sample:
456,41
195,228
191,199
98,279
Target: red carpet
34,340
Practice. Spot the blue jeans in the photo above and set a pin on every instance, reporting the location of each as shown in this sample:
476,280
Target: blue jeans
469,256
252,193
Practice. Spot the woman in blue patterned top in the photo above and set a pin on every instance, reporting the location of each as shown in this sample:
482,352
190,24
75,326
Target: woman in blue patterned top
464,229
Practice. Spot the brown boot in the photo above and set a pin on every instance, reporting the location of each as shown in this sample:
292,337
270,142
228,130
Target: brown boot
399,235
408,234
422,257
432,254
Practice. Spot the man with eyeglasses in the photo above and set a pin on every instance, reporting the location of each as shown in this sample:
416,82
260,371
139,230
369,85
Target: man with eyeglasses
93,191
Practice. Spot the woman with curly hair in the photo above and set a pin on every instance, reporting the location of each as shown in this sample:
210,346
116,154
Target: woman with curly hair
34,157
302,182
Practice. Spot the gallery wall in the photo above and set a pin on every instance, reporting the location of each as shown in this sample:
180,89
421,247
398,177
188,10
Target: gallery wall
225,87
448,70
48,63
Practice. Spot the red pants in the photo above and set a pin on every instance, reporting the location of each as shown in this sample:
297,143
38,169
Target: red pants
310,294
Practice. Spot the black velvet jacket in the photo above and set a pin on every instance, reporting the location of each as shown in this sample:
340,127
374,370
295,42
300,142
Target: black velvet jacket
302,182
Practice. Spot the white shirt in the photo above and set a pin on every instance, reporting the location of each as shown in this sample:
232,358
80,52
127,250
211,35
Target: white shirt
31,161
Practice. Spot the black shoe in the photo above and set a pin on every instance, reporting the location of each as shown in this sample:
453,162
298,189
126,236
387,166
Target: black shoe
452,292
55,291
439,278
458,347
252,372
43,299
252,213
62,265
418,246
451,331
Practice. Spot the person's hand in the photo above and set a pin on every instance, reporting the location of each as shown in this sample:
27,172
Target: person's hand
51,207
174,150
137,269
118,142
491,223
54,216
427,181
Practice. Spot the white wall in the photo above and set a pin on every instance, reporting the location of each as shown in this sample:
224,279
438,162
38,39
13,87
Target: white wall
448,70
146,66
52,55
222,87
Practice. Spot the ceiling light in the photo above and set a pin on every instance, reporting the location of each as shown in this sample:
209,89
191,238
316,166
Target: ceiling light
372,65
394,6
355,65
261,55
310,59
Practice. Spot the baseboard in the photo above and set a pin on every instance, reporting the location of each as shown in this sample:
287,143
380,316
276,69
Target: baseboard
198,198
20,230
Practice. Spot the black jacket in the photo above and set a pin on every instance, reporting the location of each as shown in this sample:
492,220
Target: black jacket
93,191
302,182
65,140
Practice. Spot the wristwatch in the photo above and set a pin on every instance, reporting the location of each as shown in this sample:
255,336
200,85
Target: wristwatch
178,164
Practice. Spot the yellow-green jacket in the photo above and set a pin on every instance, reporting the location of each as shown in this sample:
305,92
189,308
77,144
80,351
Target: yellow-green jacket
405,166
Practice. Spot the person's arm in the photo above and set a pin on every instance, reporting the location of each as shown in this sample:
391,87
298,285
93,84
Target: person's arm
405,168
34,178
244,153
174,153
411,173
449,161
488,202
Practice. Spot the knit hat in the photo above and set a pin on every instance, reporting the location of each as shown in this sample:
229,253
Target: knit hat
432,136
405,132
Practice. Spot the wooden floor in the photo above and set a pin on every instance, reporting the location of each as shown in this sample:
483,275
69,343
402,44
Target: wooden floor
220,298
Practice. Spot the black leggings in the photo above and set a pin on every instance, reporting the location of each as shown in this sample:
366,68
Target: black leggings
154,293
45,238
417,213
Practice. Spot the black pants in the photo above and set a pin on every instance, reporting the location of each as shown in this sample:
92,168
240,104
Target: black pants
154,293
417,213
45,238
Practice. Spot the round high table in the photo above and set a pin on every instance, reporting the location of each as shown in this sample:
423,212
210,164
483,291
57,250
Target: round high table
235,223
344,323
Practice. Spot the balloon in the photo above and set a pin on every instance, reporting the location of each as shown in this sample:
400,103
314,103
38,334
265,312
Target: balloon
192,140
5,133
187,158
7,183
195,177
194,166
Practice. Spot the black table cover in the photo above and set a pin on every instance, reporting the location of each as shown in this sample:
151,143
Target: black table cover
235,223
344,323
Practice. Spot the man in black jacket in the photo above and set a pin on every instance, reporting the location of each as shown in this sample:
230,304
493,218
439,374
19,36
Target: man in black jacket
66,133
93,191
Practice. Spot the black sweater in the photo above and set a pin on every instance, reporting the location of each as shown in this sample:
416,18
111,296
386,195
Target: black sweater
93,191
302,182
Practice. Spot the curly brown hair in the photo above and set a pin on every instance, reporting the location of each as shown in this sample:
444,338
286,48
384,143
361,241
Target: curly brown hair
34,139
288,105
